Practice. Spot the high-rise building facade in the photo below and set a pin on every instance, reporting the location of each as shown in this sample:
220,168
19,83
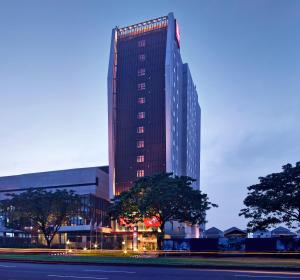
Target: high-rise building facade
153,109
191,128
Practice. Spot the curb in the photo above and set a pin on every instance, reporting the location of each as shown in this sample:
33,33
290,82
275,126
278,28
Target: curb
217,267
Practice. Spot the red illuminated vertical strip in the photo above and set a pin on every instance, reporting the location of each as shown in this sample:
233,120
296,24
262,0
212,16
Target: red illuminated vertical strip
177,33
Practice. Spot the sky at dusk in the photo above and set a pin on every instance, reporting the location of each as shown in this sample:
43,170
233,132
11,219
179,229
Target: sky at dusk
244,58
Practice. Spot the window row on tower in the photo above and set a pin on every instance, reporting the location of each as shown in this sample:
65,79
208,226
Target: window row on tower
141,86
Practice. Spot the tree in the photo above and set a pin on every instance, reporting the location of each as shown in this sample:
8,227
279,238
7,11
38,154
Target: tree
44,210
163,196
275,200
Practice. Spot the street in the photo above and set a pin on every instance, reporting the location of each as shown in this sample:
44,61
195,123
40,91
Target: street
20,271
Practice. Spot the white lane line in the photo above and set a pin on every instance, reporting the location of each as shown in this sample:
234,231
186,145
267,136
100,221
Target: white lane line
76,277
258,272
7,265
109,271
267,276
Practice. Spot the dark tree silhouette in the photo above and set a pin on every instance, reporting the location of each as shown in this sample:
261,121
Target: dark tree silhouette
44,210
164,196
275,200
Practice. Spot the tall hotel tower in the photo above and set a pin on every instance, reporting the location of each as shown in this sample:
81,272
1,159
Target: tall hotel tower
153,109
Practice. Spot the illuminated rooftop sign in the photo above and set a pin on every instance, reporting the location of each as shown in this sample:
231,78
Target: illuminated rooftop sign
143,27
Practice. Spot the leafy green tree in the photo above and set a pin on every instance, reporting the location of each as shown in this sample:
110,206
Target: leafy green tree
275,200
46,211
164,196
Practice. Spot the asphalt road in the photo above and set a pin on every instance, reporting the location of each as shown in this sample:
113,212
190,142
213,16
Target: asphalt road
20,271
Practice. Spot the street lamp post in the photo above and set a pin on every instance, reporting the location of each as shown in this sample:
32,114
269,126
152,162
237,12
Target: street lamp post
124,246
67,245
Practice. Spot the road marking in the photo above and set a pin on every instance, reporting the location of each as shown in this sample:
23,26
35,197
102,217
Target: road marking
7,265
77,277
108,271
267,276
288,273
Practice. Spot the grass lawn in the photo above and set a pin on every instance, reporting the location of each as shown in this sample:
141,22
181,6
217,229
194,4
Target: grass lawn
178,261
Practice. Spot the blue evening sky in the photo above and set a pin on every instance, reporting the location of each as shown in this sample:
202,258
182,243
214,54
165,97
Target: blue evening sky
244,58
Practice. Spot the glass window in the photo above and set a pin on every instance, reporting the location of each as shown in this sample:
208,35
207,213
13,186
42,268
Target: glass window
140,158
141,72
140,173
140,129
141,100
141,115
141,43
141,86
140,144
142,57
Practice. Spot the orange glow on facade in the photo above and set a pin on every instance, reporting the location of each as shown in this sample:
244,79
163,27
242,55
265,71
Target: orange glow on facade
152,222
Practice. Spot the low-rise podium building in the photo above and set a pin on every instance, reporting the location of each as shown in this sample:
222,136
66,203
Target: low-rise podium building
90,183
